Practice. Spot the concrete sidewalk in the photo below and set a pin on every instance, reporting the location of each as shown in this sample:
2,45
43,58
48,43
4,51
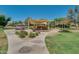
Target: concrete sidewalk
17,45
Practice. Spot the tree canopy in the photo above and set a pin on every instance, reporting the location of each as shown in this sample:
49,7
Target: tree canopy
4,20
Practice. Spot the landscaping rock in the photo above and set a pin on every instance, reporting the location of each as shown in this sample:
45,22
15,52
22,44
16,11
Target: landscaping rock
25,49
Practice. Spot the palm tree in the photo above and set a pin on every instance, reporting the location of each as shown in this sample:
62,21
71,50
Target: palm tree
76,15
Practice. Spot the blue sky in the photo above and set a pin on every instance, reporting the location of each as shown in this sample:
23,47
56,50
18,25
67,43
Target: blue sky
21,12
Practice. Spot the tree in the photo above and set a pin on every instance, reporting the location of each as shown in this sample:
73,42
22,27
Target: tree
20,22
78,19
57,22
51,24
70,14
27,21
76,16
73,15
4,20
59,19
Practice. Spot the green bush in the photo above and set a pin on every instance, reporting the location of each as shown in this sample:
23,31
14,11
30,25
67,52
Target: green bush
17,32
65,30
37,33
22,35
24,32
32,34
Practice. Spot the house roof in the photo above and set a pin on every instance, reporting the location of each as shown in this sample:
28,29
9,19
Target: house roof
65,21
37,21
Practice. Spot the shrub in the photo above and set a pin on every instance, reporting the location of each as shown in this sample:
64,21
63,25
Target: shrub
65,30
21,35
37,33
32,34
24,32
17,32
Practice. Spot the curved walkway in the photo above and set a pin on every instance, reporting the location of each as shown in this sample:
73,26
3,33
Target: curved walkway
37,45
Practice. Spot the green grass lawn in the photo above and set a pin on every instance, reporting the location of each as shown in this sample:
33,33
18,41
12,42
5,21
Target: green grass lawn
63,43
3,42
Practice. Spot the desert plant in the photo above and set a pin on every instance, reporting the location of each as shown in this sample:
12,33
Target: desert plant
65,30
17,32
21,35
32,34
24,32
37,33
